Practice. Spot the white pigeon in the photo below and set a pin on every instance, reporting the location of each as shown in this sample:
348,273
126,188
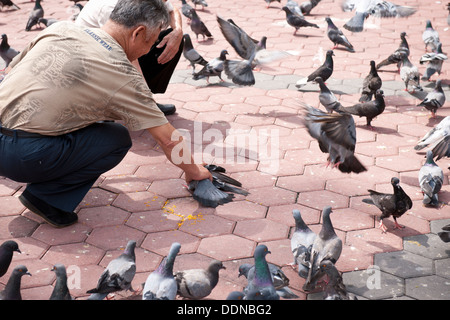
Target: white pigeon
432,138
434,61
430,37
410,74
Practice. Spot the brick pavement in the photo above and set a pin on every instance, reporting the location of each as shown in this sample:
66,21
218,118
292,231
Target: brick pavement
144,197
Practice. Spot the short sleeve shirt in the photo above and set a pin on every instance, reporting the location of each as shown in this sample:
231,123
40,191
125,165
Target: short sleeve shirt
70,77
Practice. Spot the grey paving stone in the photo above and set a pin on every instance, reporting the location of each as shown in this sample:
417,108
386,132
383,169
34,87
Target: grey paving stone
442,268
428,288
374,284
404,264
427,245
436,225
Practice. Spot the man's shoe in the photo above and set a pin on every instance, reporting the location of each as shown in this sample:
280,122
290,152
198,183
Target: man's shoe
167,109
54,216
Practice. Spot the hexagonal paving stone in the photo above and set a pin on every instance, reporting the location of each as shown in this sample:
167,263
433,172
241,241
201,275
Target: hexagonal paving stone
154,221
261,230
139,201
428,288
323,198
283,214
399,163
241,210
77,254
301,183
17,226
113,237
348,219
208,226
227,247
57,236
270,196
102,216
427,245
160,242
124,184
374,241
404,264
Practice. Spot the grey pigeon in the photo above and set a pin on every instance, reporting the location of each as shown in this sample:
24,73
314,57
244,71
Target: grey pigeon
445,234
35,14
220,191
391,204
335,288
326,97
198,26
6,254
376,8
198,283
6,52
186,10
324,71
161,284
369,110
438,136
12,288
191,54
372,82
294,7
410,75
8,3
307,6
47,21
261,285
337,36
430,37
118,274
431,178
60,291
202,3
213,68
269,2
336,135
327,246
397,56
301,244
296,21
279,279
434,99
434,61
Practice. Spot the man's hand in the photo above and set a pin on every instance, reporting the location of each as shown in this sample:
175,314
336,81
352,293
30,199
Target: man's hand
198,173
172,42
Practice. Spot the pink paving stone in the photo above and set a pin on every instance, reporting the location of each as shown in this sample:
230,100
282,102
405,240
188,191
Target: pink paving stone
37,293
159,171
299,183
142,157
76,254
88,278
30,248
241,210
11,206
122,168
376,175
281,167
353,258
113,237
102,216
208,226
160,242
16,227
153,221
348,219
41,274
399,163
57,236
254,179
349,187
320,199
261,230
376,149
270,196
374,241
171,188
429,213
226,247
139,201
146,261
281,253
9,187
97,197
283,214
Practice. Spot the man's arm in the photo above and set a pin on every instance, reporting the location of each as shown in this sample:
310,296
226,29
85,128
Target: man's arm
172,144
173,39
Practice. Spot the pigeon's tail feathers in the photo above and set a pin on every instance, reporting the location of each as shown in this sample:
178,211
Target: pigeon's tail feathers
352,164
286,293
301,83
405,11
368,201
442,148
365,96
384,63
356,23
429,186
240,72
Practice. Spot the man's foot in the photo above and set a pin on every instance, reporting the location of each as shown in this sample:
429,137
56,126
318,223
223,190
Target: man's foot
54,216
167,109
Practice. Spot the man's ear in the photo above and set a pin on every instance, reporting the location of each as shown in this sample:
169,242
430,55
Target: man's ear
139,31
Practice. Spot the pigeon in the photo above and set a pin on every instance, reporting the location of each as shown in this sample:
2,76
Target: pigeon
6,52
220,191
301,244
391,204
47,21
294,7
279,279
236,295
213,68
6,254
12,288
372,82
448,17
198,283
410,74
261,285
326,97
307,6
437,138
435,61
335,288
269,2
161,284
186,10
60,291
324,71
327,246
118,274
397,56
369,109
337,36
430,37
191,54
445,234
376,8
35,14
434,99
200,3
8,3
430,180
296,21
198,26
336,134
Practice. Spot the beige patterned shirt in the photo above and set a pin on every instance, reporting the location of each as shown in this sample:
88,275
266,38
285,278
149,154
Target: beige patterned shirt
70,77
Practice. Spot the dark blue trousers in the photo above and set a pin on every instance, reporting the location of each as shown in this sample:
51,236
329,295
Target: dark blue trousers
60,170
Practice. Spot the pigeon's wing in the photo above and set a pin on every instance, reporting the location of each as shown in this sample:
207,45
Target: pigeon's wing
340,129
238,38
267,56
442,149
240,72
386,9
209,196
